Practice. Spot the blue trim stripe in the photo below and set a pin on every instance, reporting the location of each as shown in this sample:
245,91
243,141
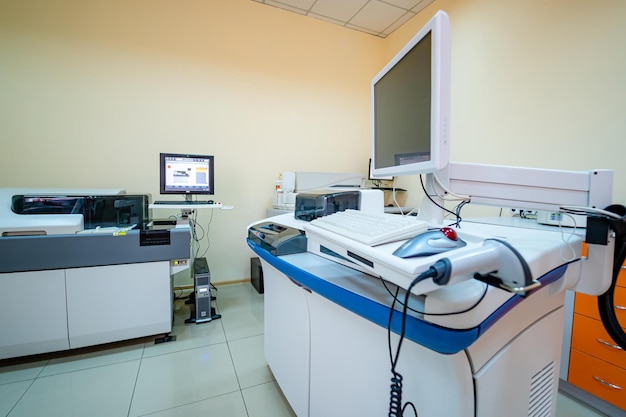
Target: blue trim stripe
440,339
546,279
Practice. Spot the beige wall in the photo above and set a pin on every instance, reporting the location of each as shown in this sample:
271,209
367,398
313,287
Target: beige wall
92,91
536,83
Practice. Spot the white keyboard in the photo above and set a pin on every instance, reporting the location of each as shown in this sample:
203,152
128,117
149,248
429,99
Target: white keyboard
371,228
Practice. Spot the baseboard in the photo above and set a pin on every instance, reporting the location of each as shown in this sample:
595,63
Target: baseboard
589,400
236,281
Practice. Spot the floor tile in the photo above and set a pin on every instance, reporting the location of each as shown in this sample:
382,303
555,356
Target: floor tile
249,361
104,391
227,405
266,400
179,378
188,336
239,297
566,407
10,395
240,324
93,359
21,372
242,311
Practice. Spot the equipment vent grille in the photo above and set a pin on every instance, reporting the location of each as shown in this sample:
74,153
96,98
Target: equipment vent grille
541,389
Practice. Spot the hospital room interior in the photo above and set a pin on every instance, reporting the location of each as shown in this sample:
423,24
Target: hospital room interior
168,171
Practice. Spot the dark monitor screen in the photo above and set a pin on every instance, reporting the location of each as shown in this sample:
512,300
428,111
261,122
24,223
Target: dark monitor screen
411,105
186,174
402,109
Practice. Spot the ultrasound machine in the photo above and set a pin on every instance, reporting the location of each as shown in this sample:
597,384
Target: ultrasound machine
371,314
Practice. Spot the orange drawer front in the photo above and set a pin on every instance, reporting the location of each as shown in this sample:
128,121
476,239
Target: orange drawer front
590,337
588,305
599,378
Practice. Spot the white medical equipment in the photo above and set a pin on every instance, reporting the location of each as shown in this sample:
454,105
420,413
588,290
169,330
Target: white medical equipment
464,338
64,287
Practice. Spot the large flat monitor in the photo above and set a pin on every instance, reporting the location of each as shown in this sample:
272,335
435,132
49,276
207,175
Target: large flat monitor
411,105
186,174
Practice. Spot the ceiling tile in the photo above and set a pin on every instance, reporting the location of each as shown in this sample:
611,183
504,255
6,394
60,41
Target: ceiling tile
362,29
422,4
377,16
327,19
398,23
285,6
299,4
342,10
405,4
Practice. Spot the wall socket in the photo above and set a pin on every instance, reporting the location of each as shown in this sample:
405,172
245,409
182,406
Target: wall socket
523,212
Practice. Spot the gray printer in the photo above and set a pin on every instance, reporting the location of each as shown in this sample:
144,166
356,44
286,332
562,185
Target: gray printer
278,239
312,205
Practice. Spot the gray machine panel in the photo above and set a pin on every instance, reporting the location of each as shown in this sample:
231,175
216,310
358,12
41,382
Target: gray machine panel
35,253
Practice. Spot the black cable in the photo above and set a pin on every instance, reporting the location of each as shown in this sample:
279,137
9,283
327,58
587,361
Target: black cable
606,302
208,230
391,310
192,230
473,306
457,214
458,219
180,295
395,394
395,391
197,238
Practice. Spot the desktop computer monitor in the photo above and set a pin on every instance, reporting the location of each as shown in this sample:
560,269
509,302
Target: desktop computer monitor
186,174
411,105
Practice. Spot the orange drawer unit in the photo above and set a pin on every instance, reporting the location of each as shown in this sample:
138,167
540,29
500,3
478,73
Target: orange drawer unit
590,337
598,377
597,365
588,305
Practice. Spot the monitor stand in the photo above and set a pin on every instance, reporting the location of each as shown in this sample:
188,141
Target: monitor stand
185,212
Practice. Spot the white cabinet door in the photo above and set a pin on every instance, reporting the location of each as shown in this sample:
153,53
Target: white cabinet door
351,369
118,302
286,336
32,313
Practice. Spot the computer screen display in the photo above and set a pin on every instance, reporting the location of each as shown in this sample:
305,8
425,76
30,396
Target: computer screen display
411,105
186,174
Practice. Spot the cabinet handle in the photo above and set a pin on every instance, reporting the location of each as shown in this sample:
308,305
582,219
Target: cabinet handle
608,384
611,345
620,307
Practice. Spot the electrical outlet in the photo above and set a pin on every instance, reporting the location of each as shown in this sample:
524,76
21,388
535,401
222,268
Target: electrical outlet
523,212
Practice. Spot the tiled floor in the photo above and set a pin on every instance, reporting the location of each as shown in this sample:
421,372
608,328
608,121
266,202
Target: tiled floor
212,369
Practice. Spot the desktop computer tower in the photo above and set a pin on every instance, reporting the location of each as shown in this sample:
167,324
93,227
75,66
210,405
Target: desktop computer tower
256,275
202,286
